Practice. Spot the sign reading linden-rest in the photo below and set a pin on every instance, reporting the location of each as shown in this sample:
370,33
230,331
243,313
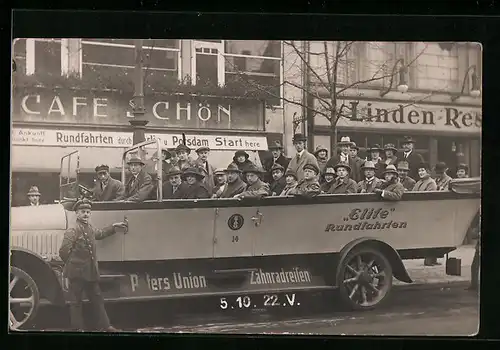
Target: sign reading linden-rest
407,116
67,138
80,107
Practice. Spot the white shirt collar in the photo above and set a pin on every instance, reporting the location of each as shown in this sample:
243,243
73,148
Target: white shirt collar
301,153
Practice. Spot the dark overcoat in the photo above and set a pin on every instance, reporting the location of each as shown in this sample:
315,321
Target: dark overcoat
114,191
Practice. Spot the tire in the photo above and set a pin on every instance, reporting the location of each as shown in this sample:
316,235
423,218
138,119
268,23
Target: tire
19,301
350,276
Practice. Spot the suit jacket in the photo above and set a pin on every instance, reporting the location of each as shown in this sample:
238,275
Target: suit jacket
258,189
276,187
364,187
353,163
194,191
392,191
208,180
78,251
140,190
114,191
297,163
232,189
414,160
343,187
168,190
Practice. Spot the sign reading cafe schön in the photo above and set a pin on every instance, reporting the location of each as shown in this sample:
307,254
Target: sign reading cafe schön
84,107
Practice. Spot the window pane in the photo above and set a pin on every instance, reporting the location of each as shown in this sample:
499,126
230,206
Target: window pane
48,57
19,55
252,66
168,43
373,139
108,55
160,59
267,48
391,139
206,69
106,71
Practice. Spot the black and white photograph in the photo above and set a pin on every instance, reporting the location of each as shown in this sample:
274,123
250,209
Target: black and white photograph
245,186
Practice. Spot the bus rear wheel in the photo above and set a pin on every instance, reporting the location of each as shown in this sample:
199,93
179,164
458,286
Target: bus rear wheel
364,278
24,299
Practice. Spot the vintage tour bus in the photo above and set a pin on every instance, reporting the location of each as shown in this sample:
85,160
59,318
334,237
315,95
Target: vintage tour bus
250,253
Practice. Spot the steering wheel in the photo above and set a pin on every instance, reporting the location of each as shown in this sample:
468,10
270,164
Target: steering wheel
84,191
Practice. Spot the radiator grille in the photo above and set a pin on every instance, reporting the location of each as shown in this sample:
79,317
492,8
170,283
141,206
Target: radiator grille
46,244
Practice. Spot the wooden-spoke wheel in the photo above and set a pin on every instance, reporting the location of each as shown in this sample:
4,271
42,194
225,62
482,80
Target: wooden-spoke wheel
24,299
365,278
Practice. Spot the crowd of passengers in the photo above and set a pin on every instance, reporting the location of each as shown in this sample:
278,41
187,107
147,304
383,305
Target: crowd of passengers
305,174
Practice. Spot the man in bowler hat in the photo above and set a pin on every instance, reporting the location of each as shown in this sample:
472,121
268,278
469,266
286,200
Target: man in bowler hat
302,157
412,157
78,252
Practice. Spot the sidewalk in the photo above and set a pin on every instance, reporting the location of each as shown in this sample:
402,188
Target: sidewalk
432,275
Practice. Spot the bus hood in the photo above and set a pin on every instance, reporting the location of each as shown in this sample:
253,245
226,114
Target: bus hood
43,217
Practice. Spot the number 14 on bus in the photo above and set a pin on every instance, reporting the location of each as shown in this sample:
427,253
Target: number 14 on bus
258,301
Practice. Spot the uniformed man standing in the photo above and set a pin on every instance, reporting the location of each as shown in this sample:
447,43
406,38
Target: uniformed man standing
78,252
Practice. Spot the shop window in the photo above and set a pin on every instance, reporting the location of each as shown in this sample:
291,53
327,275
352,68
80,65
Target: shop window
372,139
39,56
160,57
255,62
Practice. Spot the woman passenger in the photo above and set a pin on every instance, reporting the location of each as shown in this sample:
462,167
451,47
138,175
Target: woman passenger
343,184
195,188
425,183
291,183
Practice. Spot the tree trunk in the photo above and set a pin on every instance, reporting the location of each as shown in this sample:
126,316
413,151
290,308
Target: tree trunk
333,134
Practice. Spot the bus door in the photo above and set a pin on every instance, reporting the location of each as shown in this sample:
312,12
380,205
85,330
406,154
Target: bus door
234,230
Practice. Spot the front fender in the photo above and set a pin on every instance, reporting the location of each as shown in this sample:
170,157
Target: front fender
398,268
41,271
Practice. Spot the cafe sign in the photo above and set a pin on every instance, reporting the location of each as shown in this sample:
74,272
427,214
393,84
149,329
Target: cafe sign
86,138
108,108
406,116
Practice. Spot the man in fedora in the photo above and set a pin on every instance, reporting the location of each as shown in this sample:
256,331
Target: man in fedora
34,196
370,182
276,149
407,182
139,186
106,188
442,179
205,168
343,184
184,161
235,185
195,188
345,157
302,157
374,156
409,155
321,154
391,189
173,187
256,187
78,252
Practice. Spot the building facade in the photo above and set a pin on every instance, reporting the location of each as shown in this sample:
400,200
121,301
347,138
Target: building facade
51,119
436,110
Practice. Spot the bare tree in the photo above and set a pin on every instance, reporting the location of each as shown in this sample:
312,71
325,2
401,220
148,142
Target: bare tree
329,73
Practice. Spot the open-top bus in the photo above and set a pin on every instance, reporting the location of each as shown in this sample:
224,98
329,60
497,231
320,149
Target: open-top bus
249,253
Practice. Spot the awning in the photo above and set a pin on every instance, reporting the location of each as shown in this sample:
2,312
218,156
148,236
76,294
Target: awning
48,158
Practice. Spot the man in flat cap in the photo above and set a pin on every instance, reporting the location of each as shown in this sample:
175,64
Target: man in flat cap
34,196
78,252
139,186
278,180
205,168
309,185
220,179
106,188
302,157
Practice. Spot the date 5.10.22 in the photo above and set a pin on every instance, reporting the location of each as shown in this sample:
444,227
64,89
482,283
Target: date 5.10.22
258,301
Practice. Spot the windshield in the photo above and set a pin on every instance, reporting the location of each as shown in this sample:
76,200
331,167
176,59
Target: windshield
68,175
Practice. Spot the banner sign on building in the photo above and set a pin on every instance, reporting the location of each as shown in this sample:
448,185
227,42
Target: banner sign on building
111,108
407,116
79,138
